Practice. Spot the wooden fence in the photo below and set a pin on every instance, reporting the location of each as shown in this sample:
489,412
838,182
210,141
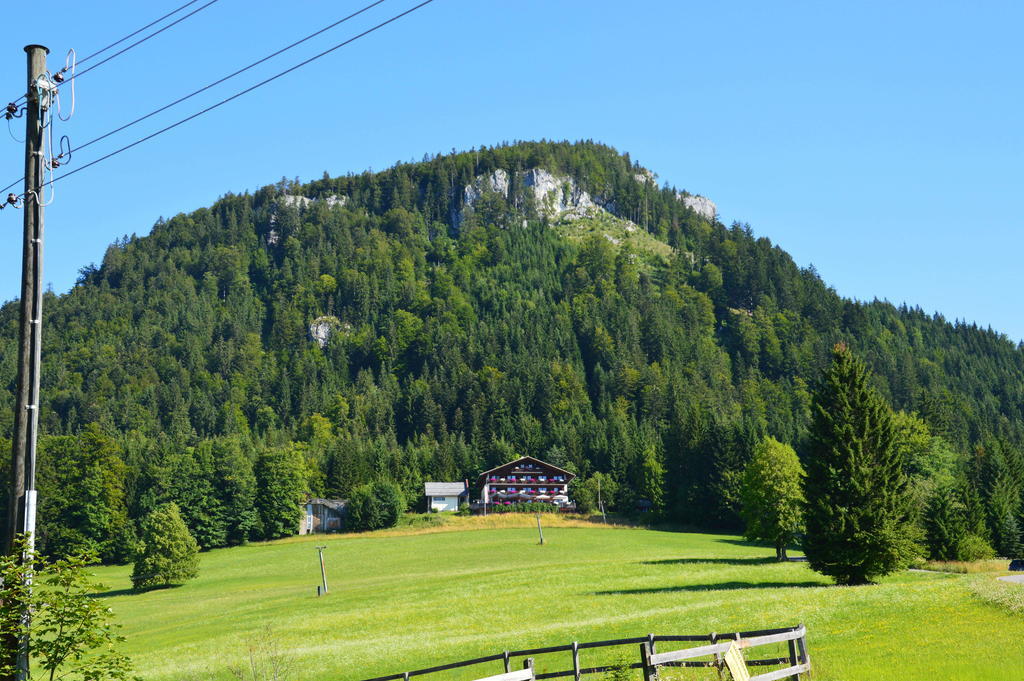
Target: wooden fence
715,647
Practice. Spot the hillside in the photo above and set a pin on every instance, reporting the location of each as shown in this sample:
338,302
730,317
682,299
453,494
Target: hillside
401,602
430,320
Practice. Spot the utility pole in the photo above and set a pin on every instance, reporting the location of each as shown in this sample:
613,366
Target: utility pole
323,571
21,511
21,517
600,504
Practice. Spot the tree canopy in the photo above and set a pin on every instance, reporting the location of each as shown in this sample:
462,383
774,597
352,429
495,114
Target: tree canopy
645,342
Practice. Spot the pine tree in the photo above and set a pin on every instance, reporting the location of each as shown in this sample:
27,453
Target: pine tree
858,505
945,524
168,554
772,496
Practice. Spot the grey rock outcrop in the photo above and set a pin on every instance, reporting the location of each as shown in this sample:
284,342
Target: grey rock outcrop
323,328
701,205
553,196
305,201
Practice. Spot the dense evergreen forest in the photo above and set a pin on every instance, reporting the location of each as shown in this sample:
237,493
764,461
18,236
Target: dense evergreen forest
451,337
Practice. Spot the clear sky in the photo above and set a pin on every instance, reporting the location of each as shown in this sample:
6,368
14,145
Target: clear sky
880,141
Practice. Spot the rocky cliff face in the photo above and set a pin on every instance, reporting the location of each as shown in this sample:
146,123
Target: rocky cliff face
700,205
556,197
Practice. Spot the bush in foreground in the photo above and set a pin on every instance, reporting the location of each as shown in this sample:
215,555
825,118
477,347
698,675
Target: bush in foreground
73,635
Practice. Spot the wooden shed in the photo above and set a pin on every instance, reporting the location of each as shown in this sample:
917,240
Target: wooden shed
323,515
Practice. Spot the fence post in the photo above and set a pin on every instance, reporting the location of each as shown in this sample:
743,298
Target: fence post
718,656
802,646
528,664
507,668
576,660
794,658
650,671
654,644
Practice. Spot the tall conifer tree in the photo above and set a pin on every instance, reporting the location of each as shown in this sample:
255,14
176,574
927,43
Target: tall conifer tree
858,505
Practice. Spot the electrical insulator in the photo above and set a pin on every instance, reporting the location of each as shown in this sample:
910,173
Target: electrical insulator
46,89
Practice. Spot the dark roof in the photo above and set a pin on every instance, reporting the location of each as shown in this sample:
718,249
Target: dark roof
444,489
336,504
528,459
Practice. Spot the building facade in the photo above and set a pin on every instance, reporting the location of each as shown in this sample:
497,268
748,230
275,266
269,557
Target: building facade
445,496
525,480
323,515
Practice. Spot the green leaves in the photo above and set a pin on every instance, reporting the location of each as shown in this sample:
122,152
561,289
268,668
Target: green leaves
167,554
772,495
73,636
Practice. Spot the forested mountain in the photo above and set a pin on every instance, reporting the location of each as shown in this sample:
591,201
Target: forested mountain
432,320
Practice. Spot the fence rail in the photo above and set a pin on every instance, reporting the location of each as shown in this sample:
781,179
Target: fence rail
716,645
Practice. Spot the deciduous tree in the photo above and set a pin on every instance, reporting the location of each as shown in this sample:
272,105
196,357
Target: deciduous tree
772,495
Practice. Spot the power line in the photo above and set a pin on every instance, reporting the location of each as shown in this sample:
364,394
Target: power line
239,94
12,184
135,33
137,42
227,77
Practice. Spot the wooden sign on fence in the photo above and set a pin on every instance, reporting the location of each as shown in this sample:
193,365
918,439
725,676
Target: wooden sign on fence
736,664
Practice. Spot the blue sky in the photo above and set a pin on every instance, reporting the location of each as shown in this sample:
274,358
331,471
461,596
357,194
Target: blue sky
879,141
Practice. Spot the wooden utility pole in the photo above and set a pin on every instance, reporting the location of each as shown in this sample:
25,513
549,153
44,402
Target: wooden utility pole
22,506
540,531
21,515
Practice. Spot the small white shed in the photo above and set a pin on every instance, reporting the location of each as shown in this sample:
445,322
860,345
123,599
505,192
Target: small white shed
445,496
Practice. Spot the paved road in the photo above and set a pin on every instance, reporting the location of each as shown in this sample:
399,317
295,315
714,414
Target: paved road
1019,579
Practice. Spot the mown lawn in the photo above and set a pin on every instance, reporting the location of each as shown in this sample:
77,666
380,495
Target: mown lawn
403,601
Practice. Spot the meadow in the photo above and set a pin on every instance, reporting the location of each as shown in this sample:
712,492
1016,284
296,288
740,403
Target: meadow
410,598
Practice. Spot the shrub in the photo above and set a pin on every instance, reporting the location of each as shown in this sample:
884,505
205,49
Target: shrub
972,547
375,506
73,635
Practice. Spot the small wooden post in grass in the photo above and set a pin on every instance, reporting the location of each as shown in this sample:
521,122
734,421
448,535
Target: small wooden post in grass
540,531
650,671
576,660
506,660
323,571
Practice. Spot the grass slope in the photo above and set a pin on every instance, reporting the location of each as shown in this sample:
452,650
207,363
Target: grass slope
408,599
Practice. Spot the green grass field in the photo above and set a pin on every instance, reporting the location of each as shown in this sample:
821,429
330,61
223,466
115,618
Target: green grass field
406,600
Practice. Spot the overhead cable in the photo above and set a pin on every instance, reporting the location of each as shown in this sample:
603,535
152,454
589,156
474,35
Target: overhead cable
229,76
243,92
135,33
137,42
